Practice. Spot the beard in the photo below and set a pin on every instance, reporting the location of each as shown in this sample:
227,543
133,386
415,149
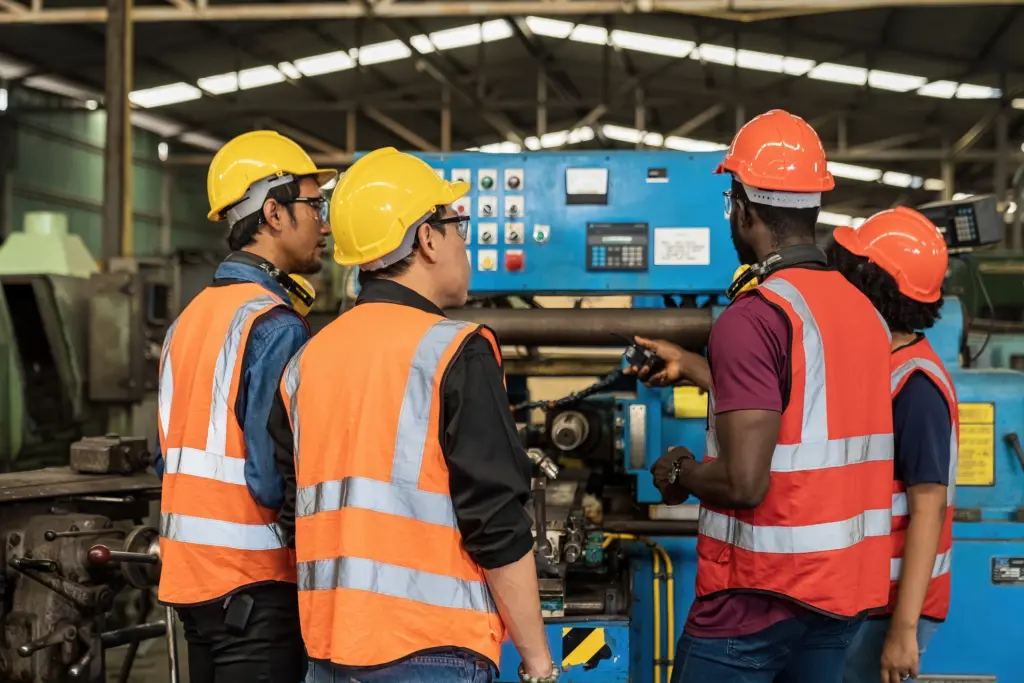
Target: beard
744,251
310,267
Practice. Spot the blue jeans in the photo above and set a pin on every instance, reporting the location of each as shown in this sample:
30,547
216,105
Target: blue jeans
864,658
434,668
806,649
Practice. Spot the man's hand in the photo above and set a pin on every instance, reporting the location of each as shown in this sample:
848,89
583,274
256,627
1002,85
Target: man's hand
900,656
678,365
673,492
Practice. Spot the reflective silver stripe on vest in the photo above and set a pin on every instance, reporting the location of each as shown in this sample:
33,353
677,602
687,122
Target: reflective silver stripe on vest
291,387
814,538
943,562
899,505
200,531
380,496
936,374
217,433
815,418
414,417
357,573
197,463
802,457
165,390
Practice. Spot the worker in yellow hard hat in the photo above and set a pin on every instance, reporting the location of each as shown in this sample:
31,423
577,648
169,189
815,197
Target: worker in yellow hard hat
227,568
398,416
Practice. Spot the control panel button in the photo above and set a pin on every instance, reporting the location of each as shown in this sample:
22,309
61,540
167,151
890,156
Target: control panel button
541,233
515,207
461,175
514,260
488,207
487,259
514,233
463,206
487,179
513,178
488,233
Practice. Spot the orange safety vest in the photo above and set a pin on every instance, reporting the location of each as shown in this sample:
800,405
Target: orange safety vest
920,357
214,537
381,569
820,536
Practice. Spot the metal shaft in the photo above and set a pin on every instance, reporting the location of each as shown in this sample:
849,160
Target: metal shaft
590,326
172,644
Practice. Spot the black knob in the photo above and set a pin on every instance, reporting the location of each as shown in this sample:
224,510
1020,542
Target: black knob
513,182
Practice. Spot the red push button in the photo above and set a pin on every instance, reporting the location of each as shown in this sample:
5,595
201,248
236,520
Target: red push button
514,261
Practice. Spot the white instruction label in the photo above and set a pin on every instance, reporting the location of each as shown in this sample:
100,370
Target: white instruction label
682,246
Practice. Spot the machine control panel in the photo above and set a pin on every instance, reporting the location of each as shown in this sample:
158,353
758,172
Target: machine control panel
585,221
617,246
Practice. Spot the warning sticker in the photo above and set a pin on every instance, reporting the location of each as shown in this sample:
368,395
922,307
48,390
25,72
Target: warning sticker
976,465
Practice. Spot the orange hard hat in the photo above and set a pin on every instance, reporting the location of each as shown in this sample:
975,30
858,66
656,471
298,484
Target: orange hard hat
904,244
778,151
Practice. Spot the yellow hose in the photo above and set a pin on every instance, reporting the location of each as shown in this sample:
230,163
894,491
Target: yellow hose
658,554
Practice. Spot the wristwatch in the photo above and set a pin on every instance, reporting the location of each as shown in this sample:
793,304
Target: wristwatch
550,678
674,474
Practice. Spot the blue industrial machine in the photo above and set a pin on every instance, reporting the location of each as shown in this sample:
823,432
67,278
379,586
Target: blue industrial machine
616,567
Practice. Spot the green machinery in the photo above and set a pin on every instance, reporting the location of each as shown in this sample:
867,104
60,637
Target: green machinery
79,348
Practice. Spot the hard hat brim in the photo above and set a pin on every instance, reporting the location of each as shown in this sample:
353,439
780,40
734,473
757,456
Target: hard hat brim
325,175
846,237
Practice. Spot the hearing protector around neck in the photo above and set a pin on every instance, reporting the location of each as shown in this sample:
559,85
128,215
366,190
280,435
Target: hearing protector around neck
300,292
747,277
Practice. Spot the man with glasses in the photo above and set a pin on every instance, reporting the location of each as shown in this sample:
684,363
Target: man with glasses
406,478
226,566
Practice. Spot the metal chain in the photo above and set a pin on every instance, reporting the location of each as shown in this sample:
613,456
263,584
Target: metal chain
603,383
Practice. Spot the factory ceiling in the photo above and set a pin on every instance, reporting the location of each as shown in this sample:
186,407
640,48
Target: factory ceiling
908,100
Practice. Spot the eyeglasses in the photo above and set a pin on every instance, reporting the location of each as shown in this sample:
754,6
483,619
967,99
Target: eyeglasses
727,195
461,224
318,204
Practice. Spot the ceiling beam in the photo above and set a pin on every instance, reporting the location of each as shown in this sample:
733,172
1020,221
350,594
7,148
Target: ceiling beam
382,119
694,123
735,10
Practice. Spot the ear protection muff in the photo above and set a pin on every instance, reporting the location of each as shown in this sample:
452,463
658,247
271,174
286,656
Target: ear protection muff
747,277
743,280
300,292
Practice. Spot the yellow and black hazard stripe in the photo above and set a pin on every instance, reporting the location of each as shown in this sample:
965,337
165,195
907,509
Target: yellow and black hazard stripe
584,646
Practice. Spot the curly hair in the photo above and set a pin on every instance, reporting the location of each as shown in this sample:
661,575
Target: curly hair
900,312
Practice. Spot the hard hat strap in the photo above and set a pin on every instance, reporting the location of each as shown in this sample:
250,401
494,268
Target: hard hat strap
403,250
252,200
788,200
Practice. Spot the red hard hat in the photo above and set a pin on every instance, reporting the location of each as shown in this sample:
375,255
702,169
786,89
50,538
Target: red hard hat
904,244
778,151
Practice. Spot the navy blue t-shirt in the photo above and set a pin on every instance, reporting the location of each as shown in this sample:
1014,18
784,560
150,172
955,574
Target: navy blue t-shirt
921,425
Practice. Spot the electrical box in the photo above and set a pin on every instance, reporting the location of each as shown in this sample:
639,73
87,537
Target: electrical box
967,223
593,221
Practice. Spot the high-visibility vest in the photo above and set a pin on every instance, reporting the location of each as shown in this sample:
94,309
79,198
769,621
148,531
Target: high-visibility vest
214,537
820,536
382,573
920,357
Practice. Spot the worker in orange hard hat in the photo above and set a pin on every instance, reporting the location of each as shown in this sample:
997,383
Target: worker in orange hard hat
226,566
799,435
898,259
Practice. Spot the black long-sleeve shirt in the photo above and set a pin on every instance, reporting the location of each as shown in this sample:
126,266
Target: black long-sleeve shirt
489,473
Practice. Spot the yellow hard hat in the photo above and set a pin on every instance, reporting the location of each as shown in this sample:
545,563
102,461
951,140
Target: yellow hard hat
252,157
378,200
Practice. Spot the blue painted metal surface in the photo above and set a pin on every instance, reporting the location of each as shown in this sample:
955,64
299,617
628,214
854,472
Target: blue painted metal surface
554,233
611,665
979,637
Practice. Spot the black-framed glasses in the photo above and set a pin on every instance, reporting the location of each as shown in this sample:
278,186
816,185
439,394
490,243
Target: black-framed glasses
461,224
318,204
